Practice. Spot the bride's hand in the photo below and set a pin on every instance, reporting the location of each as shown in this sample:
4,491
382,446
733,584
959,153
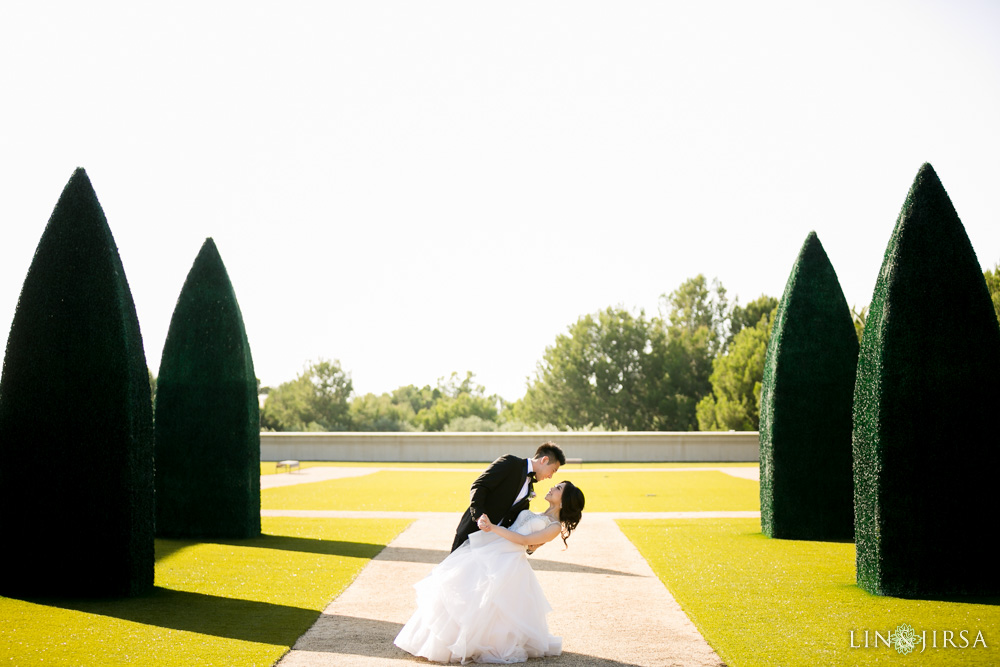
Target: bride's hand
484,523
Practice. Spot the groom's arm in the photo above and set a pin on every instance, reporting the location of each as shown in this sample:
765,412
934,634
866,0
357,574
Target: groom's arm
499,471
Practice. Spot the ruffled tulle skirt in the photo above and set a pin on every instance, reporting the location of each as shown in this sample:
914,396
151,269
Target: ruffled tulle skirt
483,604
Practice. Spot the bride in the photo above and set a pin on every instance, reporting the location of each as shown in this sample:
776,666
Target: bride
483,603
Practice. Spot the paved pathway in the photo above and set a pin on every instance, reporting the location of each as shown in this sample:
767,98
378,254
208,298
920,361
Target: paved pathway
609,607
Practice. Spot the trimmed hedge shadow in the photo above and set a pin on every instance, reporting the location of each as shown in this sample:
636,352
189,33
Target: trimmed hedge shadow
806,481
75,400
306,545
230,618
207,415
925,402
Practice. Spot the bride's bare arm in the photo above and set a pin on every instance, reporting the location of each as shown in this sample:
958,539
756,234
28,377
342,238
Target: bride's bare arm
536,539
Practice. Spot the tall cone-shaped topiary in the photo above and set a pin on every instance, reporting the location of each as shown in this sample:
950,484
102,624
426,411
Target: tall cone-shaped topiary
76,430
207,415
806,482
925,457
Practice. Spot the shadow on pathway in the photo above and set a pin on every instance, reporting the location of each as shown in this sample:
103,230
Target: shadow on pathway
435,556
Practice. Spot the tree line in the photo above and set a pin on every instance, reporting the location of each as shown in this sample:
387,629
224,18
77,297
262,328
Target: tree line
321,399
696,365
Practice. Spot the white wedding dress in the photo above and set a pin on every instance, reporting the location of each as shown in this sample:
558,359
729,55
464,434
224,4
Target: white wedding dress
483,604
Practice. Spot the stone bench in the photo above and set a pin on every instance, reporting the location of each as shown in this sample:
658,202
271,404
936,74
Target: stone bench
288,464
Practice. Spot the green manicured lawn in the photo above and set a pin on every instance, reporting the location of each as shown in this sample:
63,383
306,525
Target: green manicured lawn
268,467
681,491
433,491
386,491
241,602
760,601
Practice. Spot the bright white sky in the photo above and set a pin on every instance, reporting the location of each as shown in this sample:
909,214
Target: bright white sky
416,188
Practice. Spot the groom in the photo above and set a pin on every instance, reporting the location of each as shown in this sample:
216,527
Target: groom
505,488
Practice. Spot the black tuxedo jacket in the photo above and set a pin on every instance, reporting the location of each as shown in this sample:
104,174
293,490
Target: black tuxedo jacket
493,494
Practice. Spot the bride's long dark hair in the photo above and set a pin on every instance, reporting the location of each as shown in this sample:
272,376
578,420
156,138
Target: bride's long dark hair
571,510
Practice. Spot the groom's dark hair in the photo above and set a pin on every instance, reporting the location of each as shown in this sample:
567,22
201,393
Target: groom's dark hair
551,450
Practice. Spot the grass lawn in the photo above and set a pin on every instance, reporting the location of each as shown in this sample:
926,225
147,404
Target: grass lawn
240,602
760,601
449,492
756,600
268,467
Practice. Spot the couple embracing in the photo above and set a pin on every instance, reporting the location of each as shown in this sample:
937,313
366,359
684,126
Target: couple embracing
483,602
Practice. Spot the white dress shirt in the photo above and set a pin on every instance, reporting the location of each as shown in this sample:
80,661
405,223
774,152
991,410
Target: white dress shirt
524,489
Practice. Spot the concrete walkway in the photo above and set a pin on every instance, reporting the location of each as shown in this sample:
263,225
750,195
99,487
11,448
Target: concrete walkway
609,607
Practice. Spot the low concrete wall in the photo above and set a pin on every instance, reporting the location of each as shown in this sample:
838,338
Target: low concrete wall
479,447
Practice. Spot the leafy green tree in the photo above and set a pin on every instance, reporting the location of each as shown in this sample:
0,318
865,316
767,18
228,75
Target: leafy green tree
418,398
512,425
697,306
697,316
805,406
926,393
608,370
317,400
734,403
372,412
207,413
688,365
456,399
741,317
993,285
859,317
75,400
472,423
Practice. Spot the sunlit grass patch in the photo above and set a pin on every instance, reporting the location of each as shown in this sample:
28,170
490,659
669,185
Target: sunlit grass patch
381,491
268,467
681,491
433,491
660,464
760,601
232,602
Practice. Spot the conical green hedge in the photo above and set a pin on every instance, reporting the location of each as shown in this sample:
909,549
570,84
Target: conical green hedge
207,415
76,431
925,453
806,483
